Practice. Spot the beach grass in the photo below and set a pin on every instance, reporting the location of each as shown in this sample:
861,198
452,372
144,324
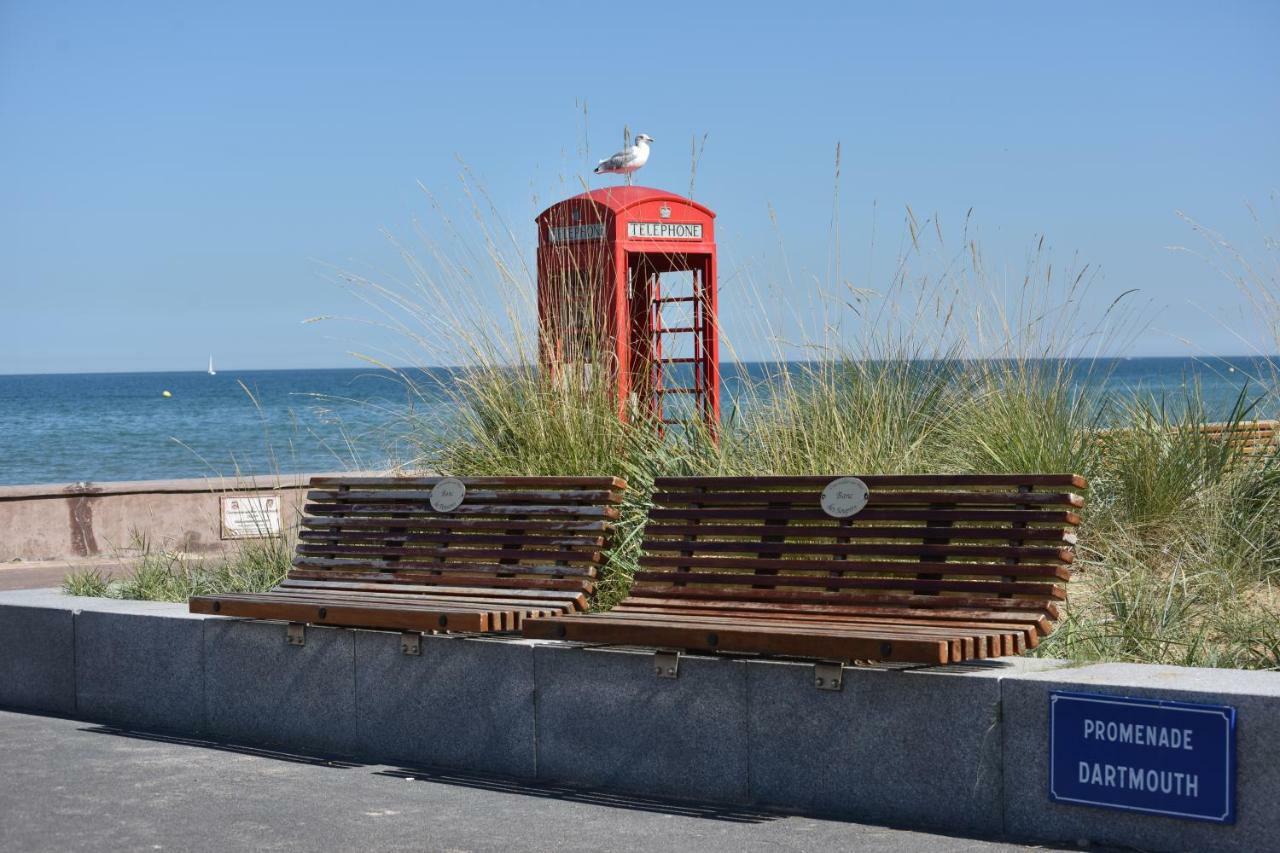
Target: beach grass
163,574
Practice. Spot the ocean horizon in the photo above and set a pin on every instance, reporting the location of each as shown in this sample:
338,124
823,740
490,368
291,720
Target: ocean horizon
75,427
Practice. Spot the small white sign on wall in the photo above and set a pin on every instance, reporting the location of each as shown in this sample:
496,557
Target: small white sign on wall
250,516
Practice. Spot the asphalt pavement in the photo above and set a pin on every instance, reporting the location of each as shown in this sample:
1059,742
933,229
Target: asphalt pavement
67,785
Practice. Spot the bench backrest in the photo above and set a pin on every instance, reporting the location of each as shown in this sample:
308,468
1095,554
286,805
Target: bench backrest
979,543
509,533
1249,437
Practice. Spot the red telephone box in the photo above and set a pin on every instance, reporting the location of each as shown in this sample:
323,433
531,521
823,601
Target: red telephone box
629,273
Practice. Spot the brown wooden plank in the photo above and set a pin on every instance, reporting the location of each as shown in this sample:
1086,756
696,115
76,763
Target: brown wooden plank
615,483
461,553
913,549
993,516
549,597
992,602
435,603
473,496
1005,617
874,480
721,567
874,499
884,627
477,579
472,568
344,615
462,538
530,527
467,511
810,643
855,530
719,581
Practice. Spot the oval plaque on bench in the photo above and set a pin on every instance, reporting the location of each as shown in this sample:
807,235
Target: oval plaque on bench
447,494
844,497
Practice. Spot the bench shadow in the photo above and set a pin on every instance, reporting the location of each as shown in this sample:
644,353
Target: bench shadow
586,796
221,746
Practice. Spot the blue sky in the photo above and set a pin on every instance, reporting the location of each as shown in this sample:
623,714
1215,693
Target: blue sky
179,179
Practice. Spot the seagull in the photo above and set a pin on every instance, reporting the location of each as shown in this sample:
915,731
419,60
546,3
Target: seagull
627,160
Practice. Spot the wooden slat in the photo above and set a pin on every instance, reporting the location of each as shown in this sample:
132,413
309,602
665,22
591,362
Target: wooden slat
874,499
811,642
856,530
993,516
280,607
467,510
614,483
875,481
719,546
462,539
473,496
719,581
396,585
794,596
529,526
448,578
460,554
722,567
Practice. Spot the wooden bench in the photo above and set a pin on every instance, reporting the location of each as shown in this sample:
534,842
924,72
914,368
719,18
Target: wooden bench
934,569
373,553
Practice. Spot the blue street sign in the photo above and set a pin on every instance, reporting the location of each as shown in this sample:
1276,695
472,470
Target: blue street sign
1143,755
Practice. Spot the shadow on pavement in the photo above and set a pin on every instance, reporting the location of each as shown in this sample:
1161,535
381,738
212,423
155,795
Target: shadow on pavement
260,752
567,793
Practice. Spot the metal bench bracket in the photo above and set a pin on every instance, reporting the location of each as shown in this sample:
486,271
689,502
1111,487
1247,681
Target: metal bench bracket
296,634
828,675
411,643
666,664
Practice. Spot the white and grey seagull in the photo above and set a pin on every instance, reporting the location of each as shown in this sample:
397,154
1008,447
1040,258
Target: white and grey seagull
628,160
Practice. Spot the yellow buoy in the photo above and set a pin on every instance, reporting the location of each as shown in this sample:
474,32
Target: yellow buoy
166,394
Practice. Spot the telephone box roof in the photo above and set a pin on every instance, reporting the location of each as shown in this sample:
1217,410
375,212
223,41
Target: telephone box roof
618,199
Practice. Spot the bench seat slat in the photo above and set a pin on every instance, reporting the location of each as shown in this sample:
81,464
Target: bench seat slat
851,645
882,625
341,614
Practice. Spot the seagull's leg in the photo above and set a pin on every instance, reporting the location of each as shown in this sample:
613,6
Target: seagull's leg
629,174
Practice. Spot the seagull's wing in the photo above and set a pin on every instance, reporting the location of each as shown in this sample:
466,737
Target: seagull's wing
617,161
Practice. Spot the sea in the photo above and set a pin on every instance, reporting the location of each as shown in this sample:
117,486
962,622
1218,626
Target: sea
65,428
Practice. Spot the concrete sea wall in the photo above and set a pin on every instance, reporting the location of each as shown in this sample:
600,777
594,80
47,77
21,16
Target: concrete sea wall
59,521
960,749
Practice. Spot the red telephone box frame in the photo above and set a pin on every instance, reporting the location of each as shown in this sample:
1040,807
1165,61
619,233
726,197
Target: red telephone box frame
601,256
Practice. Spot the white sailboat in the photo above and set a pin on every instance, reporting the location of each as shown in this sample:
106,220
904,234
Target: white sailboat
212,372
